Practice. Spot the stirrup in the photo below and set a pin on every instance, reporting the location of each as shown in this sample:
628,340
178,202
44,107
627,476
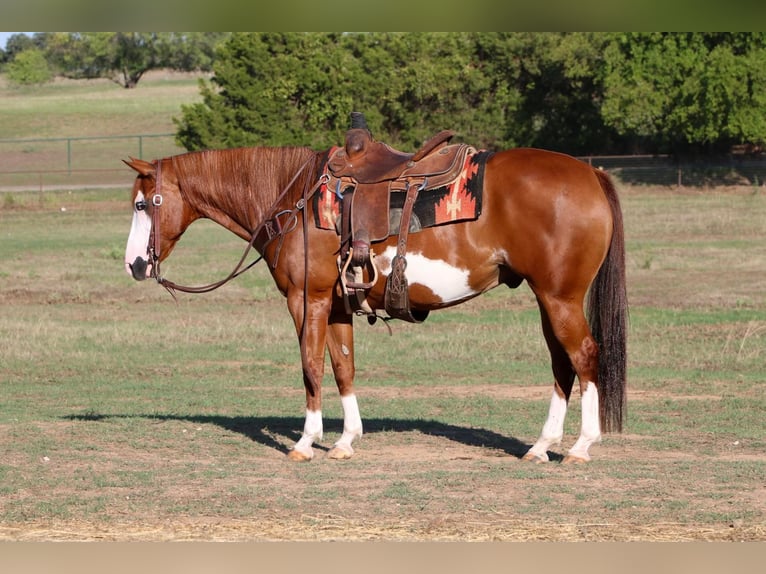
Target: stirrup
358,282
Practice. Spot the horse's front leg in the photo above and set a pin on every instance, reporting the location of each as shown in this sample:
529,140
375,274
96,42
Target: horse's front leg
340,344
312,335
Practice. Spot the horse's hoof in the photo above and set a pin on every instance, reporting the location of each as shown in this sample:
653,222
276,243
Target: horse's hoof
574,459
536,458
298,456
340,452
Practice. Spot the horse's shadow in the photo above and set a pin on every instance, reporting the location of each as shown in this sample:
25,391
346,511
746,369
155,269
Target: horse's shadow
267,430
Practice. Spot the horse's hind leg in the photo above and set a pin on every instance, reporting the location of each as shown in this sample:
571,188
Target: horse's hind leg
340,344
563,375
573,351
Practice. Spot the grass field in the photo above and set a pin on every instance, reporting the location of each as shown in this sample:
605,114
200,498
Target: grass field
126,416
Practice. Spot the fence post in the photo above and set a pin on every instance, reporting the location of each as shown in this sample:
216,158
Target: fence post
679,177
69,156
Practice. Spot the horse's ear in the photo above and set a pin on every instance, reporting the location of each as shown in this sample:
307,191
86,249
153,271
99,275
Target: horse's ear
141,166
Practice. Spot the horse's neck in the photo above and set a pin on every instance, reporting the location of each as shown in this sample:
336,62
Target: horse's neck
242,188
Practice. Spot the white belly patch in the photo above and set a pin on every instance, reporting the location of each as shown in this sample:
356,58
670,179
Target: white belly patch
448,283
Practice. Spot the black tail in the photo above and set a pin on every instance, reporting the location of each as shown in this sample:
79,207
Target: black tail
608,317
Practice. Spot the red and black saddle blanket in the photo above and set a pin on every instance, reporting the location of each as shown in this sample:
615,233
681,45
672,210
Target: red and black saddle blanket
459,200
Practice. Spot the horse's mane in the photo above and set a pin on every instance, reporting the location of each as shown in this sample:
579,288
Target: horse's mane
243,181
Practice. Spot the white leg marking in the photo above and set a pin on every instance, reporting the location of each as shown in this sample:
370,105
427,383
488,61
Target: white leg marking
553,429
312,431
447,282
590,430
352,423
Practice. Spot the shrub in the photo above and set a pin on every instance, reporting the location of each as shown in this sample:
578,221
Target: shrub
29,67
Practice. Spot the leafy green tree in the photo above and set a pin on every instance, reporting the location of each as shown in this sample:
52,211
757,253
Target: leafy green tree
272,89
687,92
125,57
559,81
299,88
416,83
29,67
18,43
579,93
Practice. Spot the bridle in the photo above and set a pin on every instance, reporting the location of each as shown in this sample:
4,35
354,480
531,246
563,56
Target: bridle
270,229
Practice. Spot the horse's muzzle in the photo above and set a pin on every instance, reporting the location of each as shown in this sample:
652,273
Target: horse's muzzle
138,268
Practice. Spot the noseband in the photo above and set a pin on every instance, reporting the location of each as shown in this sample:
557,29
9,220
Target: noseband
153,248
270,229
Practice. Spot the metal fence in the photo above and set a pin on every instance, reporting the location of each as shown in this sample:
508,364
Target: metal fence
735,170
77,162
82,162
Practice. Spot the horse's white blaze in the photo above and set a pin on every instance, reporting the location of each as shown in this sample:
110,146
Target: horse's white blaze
447,282
138,240
590,430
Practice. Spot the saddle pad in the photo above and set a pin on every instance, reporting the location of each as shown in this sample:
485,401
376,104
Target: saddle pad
457,201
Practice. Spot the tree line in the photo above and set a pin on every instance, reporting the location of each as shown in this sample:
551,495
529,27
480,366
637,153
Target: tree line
687,94
121,56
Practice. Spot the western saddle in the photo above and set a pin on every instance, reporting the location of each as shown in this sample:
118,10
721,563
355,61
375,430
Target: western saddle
364,173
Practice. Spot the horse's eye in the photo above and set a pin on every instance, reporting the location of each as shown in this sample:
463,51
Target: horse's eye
140,205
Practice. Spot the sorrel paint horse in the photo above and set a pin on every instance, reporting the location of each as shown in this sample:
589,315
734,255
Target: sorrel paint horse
547,218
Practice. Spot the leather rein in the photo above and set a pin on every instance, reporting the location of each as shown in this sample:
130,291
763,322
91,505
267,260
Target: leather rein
269,230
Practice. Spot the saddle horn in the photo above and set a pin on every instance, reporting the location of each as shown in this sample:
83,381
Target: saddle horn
358,121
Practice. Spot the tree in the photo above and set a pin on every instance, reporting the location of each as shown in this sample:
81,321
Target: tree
299,88
125,57
558,77
412,84
688,92
272,89
29,67
18,43
575,92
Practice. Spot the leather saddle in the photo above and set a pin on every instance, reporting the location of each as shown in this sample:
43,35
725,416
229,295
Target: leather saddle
368,171
367,161
364,173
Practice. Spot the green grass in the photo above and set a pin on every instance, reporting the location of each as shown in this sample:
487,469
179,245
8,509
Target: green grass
69,108
123,409
120,404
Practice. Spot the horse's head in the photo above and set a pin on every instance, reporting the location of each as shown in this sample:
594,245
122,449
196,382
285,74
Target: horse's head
160,216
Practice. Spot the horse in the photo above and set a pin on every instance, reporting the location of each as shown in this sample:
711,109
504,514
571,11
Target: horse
547,218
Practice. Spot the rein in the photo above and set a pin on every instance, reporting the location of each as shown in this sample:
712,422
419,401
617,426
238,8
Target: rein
269,229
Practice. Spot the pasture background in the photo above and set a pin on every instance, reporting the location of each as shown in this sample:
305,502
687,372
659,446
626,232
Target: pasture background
127,416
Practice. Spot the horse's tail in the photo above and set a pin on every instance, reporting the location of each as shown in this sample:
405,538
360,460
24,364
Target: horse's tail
608,317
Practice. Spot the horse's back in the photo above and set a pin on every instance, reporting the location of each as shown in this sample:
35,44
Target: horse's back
536,168
544,184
